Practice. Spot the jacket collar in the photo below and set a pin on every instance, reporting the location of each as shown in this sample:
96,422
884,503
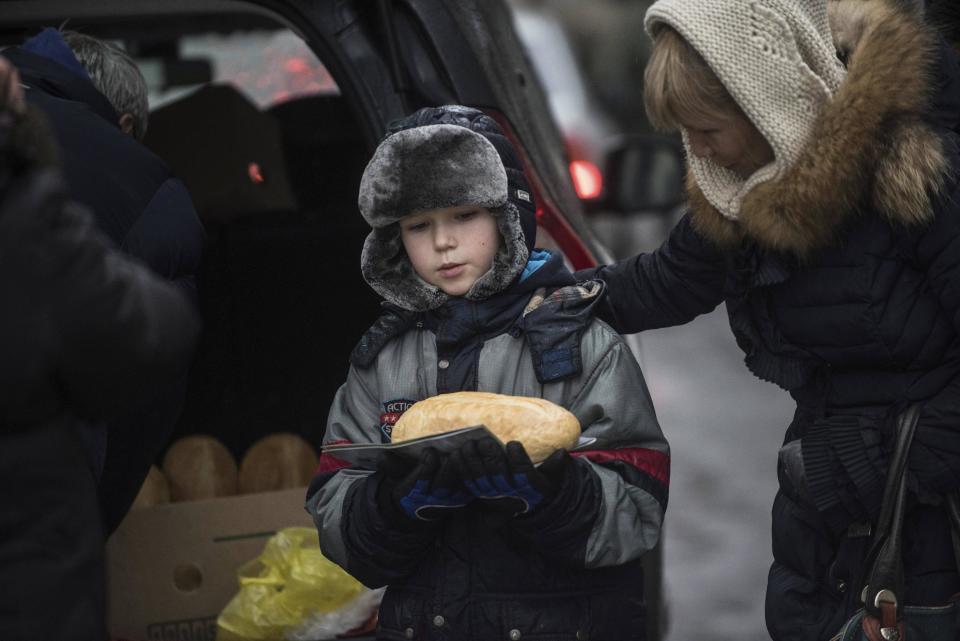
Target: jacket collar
873,145
460,319
51,77
462,325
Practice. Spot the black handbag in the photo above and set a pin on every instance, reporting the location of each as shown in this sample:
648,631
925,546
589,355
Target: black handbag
884,617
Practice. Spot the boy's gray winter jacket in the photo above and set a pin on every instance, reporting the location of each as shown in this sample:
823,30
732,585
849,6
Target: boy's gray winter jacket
569,570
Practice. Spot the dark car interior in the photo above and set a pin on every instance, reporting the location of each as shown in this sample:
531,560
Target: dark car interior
281,293
283,301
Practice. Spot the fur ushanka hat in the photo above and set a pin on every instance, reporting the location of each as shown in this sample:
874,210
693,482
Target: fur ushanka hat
443,157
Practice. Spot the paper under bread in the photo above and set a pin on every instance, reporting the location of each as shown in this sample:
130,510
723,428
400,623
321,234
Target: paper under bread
540,425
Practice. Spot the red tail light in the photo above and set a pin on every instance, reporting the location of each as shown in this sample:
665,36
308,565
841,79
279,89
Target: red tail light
587,179
296,65
254,173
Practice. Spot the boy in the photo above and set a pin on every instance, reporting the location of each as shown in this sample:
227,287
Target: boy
481,544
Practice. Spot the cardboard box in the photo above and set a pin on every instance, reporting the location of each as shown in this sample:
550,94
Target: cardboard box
172,568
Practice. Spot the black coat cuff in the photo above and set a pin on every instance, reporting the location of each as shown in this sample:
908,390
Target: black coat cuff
843,479
563,524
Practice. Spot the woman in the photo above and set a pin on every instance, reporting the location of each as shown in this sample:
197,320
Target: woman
825,213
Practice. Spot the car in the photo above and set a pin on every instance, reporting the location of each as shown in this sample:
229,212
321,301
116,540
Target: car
629,183
584,124
269,111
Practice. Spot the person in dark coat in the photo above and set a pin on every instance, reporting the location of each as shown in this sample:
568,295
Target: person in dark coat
825,213
84,332
136,201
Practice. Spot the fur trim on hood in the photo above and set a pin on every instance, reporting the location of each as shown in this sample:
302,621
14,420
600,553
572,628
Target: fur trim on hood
870,146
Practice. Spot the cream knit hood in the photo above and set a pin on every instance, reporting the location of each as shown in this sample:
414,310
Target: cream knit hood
777,60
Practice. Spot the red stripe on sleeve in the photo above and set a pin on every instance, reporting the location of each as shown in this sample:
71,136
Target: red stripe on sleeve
655,464
331,463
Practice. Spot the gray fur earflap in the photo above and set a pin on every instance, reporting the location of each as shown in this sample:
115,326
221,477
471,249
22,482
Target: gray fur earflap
431,167
388,271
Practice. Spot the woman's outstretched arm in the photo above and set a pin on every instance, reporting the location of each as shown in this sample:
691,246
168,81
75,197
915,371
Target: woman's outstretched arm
670,286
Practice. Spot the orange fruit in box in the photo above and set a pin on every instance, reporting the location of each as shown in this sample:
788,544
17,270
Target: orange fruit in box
199,467
277,462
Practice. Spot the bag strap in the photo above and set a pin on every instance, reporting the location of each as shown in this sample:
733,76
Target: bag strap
883,590
952,503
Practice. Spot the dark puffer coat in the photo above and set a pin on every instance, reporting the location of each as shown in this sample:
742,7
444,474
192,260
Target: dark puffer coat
842,284
134,197
85,333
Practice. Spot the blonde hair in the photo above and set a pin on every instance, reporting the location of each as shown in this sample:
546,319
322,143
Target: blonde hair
678,84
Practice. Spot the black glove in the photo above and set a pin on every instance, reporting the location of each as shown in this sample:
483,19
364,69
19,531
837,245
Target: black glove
425,491
505,478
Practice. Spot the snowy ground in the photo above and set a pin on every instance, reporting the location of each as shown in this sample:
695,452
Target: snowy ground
724,427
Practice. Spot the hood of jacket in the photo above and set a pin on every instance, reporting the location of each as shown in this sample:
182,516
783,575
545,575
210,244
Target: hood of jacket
874,146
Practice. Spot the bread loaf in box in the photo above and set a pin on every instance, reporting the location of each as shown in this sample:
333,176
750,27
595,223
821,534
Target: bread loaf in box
199,467
541,426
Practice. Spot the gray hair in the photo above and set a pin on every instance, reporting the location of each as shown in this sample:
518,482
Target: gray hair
115,74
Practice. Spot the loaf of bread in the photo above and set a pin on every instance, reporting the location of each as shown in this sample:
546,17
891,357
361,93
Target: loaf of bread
199,467
277,462
541,426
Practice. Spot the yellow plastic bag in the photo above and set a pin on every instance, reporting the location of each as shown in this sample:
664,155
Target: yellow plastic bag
289,584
